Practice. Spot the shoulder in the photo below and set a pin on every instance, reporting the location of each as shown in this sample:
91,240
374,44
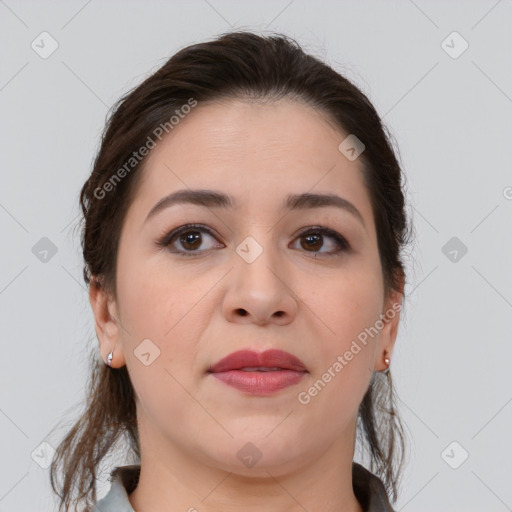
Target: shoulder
369,490
123,479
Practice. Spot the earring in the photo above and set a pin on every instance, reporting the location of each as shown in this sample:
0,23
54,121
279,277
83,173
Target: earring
387,361
109,357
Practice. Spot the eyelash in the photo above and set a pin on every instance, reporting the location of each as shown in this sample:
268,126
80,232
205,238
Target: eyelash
166,240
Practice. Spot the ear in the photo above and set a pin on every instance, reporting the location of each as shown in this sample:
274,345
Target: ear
391,319
108,327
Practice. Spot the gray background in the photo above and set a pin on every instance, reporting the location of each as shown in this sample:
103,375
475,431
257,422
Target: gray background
451,118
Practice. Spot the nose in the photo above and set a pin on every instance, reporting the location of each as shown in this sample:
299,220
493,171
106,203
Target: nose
259,292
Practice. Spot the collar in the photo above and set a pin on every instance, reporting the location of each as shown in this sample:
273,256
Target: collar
368,489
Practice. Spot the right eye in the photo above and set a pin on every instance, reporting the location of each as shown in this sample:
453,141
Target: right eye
190,237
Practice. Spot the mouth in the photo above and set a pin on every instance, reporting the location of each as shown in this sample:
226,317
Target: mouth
261,369
259,373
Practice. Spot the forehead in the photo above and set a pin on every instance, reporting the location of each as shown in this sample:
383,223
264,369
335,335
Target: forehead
256,152
247,130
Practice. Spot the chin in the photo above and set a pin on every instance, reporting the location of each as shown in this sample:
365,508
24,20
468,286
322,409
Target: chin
258,455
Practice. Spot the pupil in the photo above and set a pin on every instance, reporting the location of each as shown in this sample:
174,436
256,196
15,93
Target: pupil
190,239
315,238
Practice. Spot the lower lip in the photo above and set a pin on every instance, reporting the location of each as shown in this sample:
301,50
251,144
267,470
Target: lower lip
260,383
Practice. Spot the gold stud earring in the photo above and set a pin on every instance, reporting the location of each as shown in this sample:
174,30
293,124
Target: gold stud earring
386,370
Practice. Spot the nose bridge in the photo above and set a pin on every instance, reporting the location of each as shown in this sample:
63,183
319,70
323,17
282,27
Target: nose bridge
259,257
258,282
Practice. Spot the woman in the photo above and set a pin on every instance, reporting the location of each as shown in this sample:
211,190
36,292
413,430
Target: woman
244,223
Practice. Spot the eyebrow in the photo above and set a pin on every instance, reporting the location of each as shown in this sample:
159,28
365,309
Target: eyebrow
215,199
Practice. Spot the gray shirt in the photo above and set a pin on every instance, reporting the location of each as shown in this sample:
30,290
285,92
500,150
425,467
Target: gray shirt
368,489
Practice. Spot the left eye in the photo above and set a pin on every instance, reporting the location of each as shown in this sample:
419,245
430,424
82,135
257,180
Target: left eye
191,237
316,236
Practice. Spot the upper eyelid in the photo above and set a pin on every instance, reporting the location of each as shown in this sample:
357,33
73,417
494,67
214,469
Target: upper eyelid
173,233
212,232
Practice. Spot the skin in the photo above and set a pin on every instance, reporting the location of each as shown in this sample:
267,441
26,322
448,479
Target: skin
197,310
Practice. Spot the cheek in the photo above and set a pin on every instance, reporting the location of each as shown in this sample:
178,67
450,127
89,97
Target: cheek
154,299
168,310
347,310
169,314
346,305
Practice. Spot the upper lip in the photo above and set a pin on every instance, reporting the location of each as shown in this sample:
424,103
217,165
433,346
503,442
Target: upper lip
249,358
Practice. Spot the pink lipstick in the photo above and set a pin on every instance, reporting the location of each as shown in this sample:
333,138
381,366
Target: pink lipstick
259,373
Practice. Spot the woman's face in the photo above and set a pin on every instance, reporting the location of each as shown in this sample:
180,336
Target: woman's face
256,275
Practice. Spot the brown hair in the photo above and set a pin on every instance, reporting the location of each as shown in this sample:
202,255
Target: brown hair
235,65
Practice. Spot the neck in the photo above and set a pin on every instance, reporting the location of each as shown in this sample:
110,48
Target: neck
172,480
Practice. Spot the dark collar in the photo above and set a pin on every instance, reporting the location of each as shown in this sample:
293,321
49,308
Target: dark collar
368,489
